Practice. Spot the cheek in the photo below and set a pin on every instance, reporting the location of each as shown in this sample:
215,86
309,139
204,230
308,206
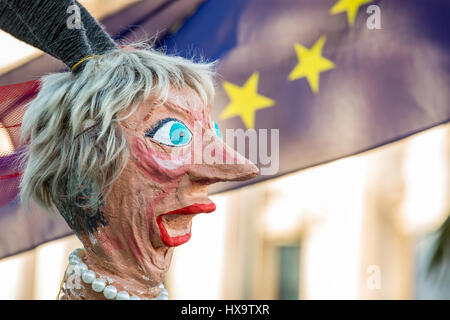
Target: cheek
158,166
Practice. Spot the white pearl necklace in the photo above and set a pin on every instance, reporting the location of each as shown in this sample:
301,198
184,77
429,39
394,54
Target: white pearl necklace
100,285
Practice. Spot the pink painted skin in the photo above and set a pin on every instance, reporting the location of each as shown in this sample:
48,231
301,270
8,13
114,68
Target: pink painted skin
151,205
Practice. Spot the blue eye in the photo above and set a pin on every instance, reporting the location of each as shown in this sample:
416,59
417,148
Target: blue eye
217,129
170,132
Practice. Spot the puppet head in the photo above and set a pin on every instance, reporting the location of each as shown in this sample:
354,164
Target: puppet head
114,149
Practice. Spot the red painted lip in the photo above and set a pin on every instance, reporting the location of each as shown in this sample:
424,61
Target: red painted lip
192,209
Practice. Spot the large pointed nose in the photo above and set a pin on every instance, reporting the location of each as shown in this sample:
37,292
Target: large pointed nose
231,166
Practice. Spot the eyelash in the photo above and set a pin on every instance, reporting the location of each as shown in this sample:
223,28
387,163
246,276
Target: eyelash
151,132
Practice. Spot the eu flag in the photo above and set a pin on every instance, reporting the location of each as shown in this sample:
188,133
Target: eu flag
336,77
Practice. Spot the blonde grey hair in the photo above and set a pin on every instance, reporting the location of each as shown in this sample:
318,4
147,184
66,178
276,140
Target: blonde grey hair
61,155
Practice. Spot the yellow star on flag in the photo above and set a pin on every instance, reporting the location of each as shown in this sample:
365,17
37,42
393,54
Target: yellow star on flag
310,64
349,6
245,101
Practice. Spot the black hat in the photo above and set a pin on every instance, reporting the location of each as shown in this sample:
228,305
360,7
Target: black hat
49,25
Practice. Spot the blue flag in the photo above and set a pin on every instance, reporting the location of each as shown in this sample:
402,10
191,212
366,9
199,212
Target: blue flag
336,77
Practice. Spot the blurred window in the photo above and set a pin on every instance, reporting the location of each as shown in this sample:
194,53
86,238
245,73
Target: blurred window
289,272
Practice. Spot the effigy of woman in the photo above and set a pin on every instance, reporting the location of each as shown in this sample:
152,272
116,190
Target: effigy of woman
123,147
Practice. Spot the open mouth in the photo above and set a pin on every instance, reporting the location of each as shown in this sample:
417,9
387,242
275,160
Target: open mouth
175,226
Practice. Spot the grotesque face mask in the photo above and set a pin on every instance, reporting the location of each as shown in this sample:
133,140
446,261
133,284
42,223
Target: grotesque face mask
150,208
